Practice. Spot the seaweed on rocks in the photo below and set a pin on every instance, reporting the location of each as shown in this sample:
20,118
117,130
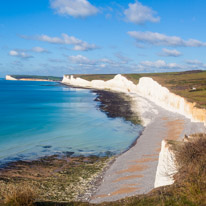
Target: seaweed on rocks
116,105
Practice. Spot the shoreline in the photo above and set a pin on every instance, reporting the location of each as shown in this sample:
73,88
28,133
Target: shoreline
105,101
13,166
111,112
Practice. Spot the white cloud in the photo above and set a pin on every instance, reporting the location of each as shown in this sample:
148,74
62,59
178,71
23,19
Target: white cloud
170,53
20,54
193,62
13,53
104,63
161,65
65,39
75,8
39,50
158,39
156,64
139,14
84,46
82,60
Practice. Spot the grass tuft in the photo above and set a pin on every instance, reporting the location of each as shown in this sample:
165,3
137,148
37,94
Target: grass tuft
20,196
191,176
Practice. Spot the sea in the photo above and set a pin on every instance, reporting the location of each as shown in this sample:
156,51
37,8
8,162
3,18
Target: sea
38,119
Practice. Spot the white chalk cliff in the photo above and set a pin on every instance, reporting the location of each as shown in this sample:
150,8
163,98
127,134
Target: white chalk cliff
152,90
8,77
147,88
166,166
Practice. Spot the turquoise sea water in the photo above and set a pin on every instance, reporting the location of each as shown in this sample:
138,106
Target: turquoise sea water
45,118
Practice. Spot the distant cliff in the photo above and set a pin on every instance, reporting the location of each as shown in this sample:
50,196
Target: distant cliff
8,77
32,78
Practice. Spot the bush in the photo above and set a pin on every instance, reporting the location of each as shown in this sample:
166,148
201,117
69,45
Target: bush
191,176
21,195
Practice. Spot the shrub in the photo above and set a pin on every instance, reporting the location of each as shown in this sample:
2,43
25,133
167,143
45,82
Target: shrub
191,176
21,195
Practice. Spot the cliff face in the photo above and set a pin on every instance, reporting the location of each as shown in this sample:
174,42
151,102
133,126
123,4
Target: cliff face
166,166
118,83
147,88
8,77
164,98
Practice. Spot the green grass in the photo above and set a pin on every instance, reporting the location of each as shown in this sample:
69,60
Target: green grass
182,84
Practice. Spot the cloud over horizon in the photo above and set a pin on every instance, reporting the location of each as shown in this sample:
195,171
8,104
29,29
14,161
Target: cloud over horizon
158,39
81,60
161,65
20,54
75,8
140,14
98,64
65,39
39,50
170,53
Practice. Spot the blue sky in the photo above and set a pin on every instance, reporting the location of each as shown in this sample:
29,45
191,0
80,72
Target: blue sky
56,37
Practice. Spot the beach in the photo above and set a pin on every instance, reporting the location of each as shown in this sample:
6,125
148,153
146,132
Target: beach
164,115
134,171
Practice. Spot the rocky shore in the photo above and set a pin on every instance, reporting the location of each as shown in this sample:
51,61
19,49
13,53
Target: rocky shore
116,104
54,178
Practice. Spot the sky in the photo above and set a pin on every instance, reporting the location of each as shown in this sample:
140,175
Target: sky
57,37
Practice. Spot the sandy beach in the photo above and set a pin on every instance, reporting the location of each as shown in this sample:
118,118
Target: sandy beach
134,171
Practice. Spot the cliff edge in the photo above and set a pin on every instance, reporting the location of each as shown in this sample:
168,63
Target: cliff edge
148,88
